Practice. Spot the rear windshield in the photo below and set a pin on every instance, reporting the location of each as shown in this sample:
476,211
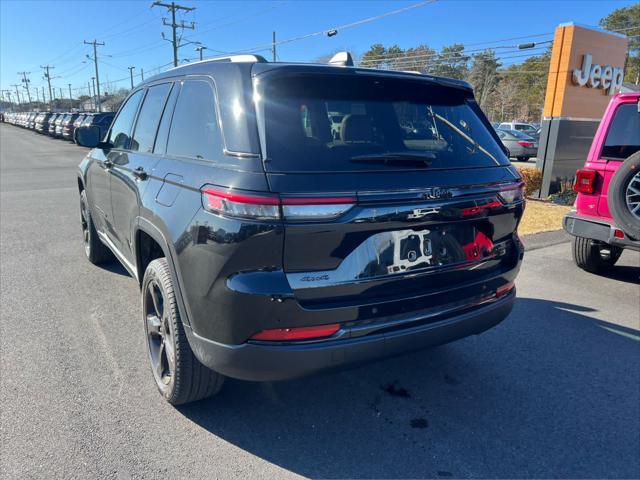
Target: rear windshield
332,122
520,135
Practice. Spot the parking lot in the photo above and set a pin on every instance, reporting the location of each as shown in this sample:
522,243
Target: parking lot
554,391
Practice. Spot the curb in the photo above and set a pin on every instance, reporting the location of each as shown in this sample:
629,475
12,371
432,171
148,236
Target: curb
535,241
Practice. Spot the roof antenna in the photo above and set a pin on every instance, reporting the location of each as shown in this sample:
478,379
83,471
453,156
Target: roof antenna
342,59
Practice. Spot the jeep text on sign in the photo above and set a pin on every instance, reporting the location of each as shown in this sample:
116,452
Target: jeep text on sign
593,75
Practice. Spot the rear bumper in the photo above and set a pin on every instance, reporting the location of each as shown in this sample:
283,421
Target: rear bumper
596,229
266,362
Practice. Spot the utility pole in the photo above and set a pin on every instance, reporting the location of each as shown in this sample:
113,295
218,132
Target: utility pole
142,73
47,75
37,98
273,46
95,101
131,69
173,8
17,93
26,81
95,60
44,100
70,100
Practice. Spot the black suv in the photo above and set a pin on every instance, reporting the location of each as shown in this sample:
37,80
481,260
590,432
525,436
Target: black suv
100,120
283,219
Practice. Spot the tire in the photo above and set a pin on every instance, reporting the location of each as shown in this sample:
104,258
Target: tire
523,159
625,181
592,256
96,251
178,374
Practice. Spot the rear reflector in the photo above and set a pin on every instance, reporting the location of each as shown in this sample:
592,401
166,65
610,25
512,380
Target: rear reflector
504,289
618,233
259,206
585,180
297,333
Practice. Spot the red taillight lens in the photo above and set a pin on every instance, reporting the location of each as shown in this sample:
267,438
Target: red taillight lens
585,180
244,205
297,333
234,203
504,289
618,233
524,143
512,194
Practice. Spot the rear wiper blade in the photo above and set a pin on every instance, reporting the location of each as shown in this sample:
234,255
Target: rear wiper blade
396,158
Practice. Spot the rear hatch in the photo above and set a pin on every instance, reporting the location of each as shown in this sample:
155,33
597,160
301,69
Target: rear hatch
392,186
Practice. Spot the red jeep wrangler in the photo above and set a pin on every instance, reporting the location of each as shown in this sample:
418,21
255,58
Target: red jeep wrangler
606,216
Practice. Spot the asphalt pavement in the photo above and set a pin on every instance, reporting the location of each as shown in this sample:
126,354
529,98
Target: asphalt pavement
553,391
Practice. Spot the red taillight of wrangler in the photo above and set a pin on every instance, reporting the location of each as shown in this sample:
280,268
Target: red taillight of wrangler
234,203
524,143
297,333
585,180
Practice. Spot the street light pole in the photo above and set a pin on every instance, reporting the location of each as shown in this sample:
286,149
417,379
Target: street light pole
131,75
95,100
17,93
95,61
70,100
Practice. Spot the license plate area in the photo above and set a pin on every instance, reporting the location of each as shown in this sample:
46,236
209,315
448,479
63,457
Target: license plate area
402,252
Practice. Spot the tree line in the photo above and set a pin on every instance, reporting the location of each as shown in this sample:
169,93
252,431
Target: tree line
504,92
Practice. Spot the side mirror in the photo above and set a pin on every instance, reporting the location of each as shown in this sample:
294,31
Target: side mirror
89,136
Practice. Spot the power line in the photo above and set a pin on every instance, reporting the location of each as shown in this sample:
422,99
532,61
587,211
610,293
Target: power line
340,27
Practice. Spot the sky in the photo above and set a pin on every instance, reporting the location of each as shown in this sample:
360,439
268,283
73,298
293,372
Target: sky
36,33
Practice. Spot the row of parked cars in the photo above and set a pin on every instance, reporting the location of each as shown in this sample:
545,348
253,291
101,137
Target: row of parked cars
520,139
59,125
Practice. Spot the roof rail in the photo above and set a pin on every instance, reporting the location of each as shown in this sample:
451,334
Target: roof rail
248,58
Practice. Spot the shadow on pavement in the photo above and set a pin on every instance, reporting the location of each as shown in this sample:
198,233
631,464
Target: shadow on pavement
548,393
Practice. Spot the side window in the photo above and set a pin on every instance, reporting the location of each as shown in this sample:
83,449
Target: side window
149,117
623,137
121,129
165,124
194,129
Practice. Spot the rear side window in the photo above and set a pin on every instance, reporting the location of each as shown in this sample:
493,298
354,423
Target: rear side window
121,129
194,128
149,117
623,137
335,123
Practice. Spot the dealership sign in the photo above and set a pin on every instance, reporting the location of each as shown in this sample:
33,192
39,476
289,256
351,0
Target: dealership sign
593,75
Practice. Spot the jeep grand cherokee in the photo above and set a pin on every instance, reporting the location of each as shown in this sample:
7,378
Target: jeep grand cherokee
284,219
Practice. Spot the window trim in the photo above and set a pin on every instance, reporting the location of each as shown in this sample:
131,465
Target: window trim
137,116
212,84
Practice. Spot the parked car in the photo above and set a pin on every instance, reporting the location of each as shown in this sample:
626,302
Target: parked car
70,134
31,120
606,215
520,146
100,120
52,123
67,125
58,124
42,122
526,128
267,249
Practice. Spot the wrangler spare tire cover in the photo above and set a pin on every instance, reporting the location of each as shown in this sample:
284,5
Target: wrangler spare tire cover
624,196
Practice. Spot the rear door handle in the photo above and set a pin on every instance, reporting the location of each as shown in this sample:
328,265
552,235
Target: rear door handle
140,173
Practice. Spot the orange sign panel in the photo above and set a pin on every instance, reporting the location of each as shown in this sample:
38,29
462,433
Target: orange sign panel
586,68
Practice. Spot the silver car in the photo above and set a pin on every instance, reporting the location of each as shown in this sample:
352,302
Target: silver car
520,146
